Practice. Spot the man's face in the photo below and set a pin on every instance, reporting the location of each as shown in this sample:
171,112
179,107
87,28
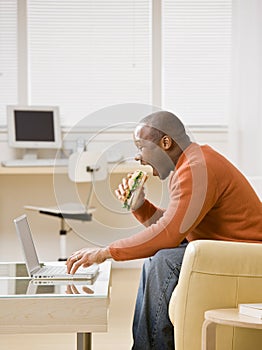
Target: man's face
151,153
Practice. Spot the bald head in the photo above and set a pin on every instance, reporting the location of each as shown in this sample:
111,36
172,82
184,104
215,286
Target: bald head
166,123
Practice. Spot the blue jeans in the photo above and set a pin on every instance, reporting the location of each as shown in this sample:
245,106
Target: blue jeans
152,328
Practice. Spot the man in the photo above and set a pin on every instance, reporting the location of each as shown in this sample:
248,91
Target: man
209,199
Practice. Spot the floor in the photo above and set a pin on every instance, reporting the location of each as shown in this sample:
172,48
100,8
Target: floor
119,336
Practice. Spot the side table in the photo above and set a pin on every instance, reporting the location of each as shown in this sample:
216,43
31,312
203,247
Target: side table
229,317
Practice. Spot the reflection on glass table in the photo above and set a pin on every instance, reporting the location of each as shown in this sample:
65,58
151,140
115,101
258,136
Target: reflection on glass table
14,282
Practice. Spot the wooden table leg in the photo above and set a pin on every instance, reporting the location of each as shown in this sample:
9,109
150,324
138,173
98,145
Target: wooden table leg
209,335
84,341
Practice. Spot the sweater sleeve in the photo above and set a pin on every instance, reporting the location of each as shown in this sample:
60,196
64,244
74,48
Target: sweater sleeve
148,213
187,207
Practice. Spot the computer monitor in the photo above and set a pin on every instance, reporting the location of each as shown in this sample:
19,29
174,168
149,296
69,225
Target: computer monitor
33,127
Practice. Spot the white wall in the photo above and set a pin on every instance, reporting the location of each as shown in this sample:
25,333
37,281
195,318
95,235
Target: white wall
245,139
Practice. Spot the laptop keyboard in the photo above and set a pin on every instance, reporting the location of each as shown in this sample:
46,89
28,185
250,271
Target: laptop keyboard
54,270
62,270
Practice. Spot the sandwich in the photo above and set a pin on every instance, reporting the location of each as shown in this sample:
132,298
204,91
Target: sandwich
135,184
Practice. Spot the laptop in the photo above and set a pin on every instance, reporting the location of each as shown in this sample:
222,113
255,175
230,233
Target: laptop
42,271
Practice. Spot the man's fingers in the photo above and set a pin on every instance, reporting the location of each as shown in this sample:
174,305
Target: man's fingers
73,262
75,267
120,194
74,289
88,290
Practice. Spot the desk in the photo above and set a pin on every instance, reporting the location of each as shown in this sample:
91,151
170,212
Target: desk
229,317
117,168
29,306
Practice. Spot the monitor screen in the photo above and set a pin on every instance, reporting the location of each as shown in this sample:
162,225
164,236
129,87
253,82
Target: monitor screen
33,127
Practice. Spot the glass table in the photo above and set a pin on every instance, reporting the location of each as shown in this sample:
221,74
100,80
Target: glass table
52,306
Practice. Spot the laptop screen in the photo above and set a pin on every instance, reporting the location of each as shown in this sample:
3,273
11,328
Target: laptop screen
25,236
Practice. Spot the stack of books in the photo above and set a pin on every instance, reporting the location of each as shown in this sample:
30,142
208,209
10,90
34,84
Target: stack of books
253,310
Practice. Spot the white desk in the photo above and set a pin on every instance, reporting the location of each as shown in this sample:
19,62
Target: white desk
58,307
120,168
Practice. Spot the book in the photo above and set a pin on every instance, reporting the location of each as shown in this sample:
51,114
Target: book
253,310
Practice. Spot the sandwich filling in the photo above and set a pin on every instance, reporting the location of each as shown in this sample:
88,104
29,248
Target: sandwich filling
135,182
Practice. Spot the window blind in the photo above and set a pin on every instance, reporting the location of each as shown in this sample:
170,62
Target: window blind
85,55
196,66
8,56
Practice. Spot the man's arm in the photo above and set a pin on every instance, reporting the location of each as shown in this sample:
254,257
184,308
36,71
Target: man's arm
190,200
148,213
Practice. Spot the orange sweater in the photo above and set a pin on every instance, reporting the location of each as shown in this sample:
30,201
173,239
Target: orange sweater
209,199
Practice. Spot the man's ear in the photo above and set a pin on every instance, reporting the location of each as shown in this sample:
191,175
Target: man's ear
166,142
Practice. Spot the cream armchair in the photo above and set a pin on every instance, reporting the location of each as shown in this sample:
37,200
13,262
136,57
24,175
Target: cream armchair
216,274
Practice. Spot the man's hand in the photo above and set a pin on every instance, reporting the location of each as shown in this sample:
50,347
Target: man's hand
123,189
86,257
71,289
